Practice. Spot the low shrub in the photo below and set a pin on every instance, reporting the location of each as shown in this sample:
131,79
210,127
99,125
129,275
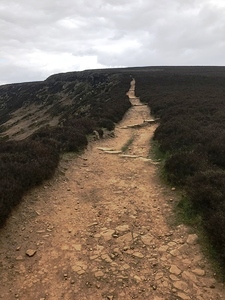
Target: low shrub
106,123
183,165
10,195
207,190
190,103
65,139
82,125
214,225
23,165
216,150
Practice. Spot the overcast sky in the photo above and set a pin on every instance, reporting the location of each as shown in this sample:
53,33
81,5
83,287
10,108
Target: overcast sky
42,37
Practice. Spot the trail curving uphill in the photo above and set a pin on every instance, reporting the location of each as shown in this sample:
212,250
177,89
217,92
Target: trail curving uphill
99,229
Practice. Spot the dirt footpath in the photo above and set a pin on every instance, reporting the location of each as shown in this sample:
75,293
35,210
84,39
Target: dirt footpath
99,230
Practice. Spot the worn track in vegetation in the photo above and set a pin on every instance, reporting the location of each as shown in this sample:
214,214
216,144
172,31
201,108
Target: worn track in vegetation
99,229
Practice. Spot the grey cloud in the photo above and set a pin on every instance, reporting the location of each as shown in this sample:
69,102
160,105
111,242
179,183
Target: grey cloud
39,37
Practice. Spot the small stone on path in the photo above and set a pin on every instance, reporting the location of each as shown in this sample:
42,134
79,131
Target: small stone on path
159,276
138,254
31,252
180,285
189,276
199,272
80,267
192,239
106,258
147,239
175,252
174,278
20,257
77,247
137,278
107,234
183,296
122,228
163,248
99,274
175,270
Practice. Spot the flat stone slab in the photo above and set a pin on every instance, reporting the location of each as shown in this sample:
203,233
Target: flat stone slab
137,125
129,155
113,151
149,160
152,121
105,149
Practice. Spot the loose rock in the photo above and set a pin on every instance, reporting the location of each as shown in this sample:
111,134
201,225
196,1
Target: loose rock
138,254
180,285
183,296
107,234
31,252
99,274
199,272
20,257
122,228
147,239
175,270
192,239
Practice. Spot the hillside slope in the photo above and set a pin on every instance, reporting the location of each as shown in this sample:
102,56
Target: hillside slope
41,120
99,230
26,107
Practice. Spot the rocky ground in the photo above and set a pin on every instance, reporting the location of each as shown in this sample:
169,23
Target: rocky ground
100,230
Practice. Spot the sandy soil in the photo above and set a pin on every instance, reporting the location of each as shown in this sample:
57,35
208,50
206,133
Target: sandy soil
99,230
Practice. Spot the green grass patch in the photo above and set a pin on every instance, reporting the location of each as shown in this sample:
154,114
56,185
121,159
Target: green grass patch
186,214
211,253
127,144
155,153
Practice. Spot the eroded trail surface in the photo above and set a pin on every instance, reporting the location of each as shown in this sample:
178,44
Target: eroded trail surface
99,230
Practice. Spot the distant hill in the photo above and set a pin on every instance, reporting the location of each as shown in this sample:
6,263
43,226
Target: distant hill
26,107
